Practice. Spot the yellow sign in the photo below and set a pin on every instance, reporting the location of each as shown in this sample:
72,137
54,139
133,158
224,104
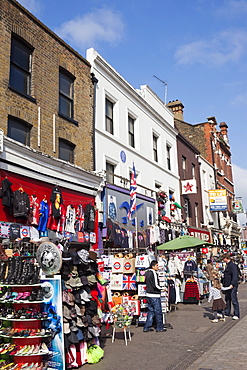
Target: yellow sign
218,200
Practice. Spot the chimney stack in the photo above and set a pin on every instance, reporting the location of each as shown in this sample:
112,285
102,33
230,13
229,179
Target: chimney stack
177,108
223,131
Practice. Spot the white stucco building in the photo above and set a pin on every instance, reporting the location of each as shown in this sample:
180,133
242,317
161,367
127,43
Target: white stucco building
132,126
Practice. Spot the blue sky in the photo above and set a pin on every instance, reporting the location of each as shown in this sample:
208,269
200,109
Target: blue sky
198,47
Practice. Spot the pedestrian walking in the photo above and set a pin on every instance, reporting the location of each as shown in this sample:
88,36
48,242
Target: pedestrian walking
218,303
153,290
230,279
210,271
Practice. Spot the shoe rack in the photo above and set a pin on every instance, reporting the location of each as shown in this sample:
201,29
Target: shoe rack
24,341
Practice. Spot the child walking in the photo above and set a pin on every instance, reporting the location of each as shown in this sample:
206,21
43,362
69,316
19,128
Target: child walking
218,303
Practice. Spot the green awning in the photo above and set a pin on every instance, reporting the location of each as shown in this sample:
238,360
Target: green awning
183,242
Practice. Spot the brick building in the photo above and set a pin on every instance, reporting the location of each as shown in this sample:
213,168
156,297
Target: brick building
46,91
46,114
213,145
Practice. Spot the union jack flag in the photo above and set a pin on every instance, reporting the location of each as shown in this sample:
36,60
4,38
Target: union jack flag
133,190
129,282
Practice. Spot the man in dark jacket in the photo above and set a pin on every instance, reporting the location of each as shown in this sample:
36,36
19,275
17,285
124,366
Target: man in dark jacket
230,279
153,298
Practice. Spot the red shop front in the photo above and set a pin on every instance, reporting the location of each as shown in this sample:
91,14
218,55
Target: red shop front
200,234
43,190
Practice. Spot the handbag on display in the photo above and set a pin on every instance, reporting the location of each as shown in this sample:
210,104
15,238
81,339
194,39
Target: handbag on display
129,282
142,318
142,290
117,265
117,298
134,307
140,276
142,261
129,265
116,281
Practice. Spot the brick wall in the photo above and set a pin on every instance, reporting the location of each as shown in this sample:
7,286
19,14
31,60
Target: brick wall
49,54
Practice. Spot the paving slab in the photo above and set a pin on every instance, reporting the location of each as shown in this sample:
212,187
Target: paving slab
194,342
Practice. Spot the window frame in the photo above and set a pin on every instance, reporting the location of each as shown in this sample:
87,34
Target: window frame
131,131
110,173
168,156
72,151
109,124
17,67
193,170
24,124
155,147
196,215
69,98
184,166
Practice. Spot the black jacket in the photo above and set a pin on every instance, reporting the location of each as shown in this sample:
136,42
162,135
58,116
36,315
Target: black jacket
152,284
89,216
21,204
6,193
230,275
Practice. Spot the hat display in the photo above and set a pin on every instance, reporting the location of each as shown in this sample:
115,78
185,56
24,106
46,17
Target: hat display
72,337
93,255
81,321
73,282
83,255
66,312
91,279
66,257
65,297
84,280
85,296
66,328
79,335
75,258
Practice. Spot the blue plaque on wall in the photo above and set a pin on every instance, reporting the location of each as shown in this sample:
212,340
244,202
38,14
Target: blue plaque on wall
123,156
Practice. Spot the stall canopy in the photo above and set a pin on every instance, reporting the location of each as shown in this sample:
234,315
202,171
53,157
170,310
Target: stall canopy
183,242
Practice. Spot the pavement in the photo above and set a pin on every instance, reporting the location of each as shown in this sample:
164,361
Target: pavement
194,343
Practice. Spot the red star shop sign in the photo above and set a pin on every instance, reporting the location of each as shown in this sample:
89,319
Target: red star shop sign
188,186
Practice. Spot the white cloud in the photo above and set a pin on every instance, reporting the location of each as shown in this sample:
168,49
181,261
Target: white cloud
240,99
100,25
226,47
33,6
232,8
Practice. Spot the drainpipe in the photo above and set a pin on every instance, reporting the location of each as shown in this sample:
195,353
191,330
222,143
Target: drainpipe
94,81
215,176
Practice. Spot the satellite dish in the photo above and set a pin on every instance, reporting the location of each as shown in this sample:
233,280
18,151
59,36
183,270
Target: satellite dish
49,258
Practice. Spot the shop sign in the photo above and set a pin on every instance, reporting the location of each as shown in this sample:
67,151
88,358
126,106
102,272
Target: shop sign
49,258
189,186
217,200
238,205
200,234
182,255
